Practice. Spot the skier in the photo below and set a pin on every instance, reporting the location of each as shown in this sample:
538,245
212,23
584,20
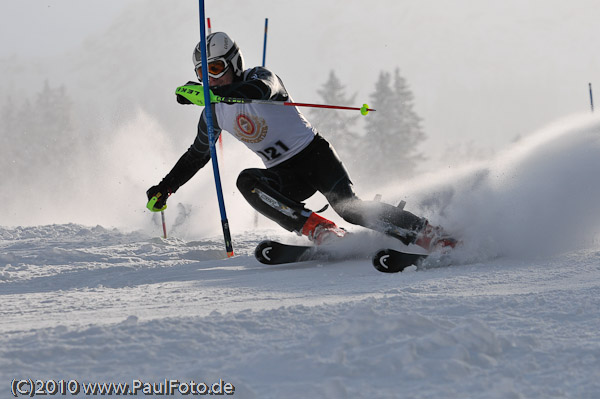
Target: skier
298,160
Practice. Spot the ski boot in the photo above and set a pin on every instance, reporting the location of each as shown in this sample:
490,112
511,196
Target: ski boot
434,238
320,230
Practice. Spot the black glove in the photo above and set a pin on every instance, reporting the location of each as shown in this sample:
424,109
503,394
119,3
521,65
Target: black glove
161,192
181,99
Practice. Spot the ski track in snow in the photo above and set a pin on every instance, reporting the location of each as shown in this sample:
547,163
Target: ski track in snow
511,314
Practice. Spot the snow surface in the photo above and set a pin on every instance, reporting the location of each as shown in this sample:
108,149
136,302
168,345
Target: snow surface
512,314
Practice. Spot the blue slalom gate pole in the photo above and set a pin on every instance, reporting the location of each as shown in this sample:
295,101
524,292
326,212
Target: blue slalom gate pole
265,43
211,134
591,97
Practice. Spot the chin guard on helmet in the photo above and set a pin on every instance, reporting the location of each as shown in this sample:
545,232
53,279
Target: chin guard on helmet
219,48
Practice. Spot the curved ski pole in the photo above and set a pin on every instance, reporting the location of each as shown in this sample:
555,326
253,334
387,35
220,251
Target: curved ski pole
195,94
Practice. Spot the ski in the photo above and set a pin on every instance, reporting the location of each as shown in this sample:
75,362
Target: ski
387,260
272,252
393,261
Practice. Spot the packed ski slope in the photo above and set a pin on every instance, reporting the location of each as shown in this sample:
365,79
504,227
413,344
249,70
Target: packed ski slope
512,314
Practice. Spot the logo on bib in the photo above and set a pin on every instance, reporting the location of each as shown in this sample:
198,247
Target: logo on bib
250,128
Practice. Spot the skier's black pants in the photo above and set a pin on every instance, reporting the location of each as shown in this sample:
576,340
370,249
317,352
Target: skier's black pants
316,168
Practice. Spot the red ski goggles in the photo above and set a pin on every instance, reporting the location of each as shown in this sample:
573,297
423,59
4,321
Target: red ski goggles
216,68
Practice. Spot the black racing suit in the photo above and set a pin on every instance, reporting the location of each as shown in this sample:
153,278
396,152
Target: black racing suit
278,192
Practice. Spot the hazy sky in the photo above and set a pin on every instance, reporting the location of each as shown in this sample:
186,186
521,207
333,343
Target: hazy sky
483,72
51,26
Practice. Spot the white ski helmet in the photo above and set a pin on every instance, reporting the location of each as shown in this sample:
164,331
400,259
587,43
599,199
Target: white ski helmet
220,47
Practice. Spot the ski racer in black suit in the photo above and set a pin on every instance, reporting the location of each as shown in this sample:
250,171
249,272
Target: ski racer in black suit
298,160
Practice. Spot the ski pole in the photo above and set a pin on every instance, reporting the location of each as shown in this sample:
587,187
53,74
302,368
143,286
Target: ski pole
211,135
162,215
265,42
591,97
196,95
151,202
